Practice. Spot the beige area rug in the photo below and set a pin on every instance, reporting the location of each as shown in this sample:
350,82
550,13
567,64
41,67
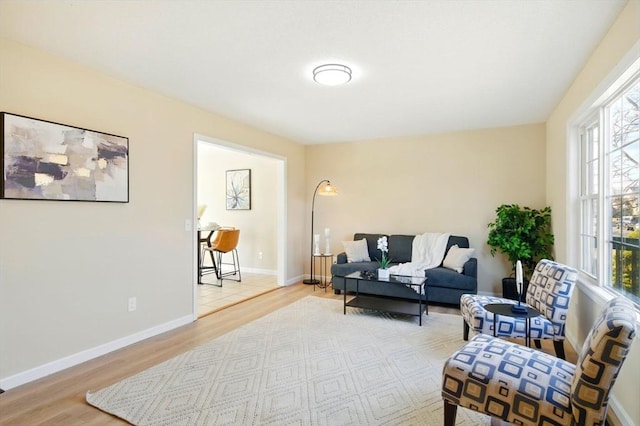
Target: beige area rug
304,364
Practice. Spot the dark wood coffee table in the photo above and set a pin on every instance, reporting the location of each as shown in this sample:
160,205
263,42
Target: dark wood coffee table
385,303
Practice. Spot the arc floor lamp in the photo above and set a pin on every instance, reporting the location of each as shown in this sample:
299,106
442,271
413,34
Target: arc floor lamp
323,188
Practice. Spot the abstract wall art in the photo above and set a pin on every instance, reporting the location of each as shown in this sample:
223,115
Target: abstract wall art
42,160
239,189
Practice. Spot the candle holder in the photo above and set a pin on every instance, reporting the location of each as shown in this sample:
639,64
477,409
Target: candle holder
519,308
316,244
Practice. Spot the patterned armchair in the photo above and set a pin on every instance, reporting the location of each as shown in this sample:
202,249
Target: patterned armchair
549,291
528,387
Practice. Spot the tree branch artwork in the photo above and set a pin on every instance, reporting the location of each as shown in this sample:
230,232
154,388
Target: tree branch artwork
239,189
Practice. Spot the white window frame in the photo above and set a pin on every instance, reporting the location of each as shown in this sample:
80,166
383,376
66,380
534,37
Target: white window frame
587,196
595,112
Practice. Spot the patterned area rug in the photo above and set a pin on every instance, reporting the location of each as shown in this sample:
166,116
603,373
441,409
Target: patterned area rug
304,364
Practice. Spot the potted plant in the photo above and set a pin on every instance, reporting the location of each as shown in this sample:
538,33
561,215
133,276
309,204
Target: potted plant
385,261
522,234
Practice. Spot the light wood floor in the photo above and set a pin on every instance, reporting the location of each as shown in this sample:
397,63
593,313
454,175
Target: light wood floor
212,298
60,398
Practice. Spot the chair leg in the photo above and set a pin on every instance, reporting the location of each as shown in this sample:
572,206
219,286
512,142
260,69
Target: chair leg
236,263
559,347
216,270
236,267
219,271
450,411
537,343
204,270
465,330
212,258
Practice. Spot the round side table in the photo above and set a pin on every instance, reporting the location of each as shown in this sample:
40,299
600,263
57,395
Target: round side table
505,309
326,259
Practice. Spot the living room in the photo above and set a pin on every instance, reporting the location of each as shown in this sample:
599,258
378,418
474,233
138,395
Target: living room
58,259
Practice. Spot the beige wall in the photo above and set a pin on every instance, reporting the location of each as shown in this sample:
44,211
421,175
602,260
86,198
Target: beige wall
437,183
601,67
67,269
257,225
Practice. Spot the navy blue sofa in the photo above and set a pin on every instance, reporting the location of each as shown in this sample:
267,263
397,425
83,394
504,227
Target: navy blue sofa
445,285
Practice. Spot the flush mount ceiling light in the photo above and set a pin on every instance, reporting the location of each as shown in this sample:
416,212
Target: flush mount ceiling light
332,74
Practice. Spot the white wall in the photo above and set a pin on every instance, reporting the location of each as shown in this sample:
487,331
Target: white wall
258,226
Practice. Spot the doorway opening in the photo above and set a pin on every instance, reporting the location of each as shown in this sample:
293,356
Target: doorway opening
262,248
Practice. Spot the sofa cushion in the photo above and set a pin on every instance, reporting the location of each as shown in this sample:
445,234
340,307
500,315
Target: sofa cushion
400,247
456,240
357,251
372,244
342,269
443,277
457,257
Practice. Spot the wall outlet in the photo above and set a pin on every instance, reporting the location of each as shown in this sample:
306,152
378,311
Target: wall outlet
260,255
133,304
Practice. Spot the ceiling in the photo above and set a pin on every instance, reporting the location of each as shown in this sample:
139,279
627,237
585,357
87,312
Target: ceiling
419,67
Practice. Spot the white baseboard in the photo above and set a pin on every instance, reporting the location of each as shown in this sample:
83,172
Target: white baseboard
259,271
295,280
617,416
89,354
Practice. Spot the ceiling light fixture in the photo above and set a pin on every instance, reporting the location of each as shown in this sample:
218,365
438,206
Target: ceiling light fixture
332,74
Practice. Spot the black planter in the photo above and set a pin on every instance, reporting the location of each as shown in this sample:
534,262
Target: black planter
510,290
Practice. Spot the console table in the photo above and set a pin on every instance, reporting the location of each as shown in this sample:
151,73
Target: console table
388,304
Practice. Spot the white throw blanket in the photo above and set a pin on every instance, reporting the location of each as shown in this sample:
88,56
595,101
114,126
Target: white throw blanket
427,252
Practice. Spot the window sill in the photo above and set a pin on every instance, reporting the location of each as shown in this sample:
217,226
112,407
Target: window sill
598,294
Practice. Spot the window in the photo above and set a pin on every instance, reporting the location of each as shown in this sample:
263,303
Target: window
610,192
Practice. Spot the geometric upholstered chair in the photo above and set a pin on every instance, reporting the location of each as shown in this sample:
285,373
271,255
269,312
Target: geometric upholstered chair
524,386
549,292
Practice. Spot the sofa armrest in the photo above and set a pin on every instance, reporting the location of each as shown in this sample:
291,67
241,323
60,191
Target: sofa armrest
470,268
341,257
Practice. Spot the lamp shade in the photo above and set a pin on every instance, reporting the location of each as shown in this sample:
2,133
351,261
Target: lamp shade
327,189
201,209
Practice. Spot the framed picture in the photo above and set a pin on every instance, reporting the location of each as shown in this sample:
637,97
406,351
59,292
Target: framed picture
239,189
42,160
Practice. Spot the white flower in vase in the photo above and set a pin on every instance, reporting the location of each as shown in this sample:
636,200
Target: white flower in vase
383,246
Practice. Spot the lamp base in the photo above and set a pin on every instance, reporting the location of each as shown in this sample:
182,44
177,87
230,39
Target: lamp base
314,282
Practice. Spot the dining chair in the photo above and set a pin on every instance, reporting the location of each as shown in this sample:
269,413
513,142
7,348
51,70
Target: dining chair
549,292
226,241
524,386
